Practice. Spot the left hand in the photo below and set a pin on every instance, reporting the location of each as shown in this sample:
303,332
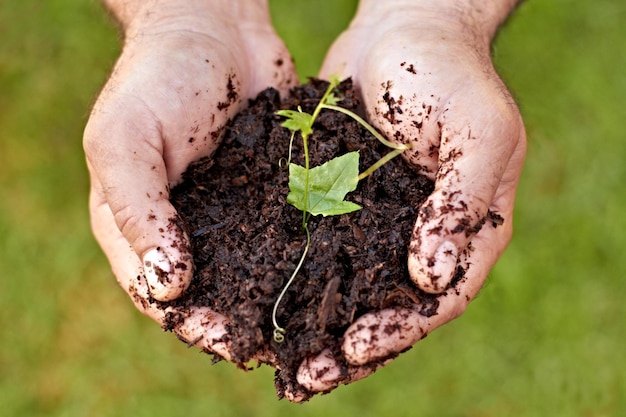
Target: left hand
185,70
430,81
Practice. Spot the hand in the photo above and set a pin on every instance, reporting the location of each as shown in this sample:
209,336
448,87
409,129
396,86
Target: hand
185,70
426,78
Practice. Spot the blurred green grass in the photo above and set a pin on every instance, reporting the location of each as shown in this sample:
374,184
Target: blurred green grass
545,337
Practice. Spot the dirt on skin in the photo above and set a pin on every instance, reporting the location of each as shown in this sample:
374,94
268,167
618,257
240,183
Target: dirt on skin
247,240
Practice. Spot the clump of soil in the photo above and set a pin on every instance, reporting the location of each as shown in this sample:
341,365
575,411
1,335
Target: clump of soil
247,240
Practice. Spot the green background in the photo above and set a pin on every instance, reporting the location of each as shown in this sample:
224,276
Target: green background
546,336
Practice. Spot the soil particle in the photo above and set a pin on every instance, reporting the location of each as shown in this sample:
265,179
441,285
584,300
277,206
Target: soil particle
246,240
231,94
393,108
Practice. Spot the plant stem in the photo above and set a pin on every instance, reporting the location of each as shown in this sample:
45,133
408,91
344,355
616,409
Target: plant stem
293,133
279,332
382,161
322,102
370,128
398,148
305,145
305,213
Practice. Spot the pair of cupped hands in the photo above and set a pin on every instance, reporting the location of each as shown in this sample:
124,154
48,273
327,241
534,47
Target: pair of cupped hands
185,70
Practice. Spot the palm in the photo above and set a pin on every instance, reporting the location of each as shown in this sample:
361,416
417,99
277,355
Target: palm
445,98
165,105
180,89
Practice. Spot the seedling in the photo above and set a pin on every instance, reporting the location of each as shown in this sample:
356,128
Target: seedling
322,189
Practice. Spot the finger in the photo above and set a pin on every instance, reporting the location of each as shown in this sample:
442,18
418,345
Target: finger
461,142
382,334
376,336
340,59
323,373
272,65
204,328
295,395
125,264
149,123
474,163
198,326
131,178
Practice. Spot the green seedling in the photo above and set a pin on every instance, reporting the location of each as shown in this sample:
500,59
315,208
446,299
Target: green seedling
322,190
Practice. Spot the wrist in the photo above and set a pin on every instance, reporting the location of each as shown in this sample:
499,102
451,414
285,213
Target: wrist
141,17
475,20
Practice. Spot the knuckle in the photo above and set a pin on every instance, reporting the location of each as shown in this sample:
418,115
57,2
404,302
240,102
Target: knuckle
128,221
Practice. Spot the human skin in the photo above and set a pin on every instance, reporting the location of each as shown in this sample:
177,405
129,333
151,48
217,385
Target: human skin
186,68
425,73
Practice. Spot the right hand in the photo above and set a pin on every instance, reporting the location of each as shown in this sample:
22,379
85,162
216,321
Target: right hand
184,71
425,75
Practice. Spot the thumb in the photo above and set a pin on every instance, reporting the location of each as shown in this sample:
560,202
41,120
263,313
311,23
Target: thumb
127,168
474,176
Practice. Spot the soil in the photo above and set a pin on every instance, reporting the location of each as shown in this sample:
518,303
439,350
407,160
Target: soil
247,240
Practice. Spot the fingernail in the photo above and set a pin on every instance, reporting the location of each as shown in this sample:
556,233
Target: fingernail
157,267
444,265
320,373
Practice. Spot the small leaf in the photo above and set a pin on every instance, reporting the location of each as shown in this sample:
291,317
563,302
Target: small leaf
328,185
332,99
297,121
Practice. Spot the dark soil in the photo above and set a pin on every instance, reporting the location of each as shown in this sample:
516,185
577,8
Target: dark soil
247,240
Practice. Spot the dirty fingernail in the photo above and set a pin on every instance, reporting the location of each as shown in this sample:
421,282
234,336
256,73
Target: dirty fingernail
445,261
320,373
433,274
206,330
157,267
376,336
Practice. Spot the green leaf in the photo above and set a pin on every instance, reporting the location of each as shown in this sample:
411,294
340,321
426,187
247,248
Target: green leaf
328,185
332,99
297,121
